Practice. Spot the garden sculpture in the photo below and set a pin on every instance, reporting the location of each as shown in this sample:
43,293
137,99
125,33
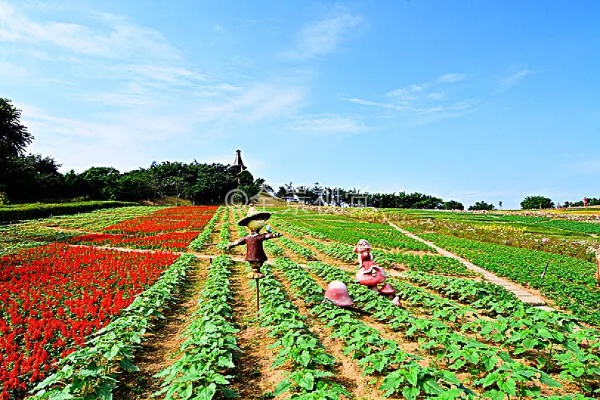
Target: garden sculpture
597,266
255,254
337,293
369,273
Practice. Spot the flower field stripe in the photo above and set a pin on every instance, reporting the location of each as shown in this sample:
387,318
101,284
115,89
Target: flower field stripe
401,371
91,372
311,364
207,352
169,229
52,297
200,240
184,218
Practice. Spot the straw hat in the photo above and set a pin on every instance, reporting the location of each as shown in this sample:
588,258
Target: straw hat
253,214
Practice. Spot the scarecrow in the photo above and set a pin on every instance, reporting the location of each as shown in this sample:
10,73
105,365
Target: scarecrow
255,254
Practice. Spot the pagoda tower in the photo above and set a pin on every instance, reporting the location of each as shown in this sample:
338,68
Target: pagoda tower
238,161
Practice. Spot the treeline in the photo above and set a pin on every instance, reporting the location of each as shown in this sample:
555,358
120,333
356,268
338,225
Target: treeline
34,178
322,195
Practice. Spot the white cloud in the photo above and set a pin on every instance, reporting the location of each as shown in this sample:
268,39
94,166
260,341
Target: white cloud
328,124
513,79
451,78
324,37
427,101
256,102
116,38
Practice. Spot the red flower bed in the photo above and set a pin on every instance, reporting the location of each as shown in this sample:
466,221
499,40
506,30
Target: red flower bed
52,297
168,229
167,220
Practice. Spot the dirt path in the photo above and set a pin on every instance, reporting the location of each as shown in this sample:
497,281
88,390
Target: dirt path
255,377
520,292
163,341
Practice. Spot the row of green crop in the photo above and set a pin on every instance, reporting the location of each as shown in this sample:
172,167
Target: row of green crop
201,240
552,336
491,368
519,327
376,355
350,232
425,262
91,372
535,233
207,352
310,363
302,251
224,235
44,210
568,281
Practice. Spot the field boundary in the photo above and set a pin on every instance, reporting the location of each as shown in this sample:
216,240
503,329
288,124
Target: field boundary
520,292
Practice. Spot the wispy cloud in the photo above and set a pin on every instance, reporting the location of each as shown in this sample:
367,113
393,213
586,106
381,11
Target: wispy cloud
114,37
256,102
324,36
427,101
451,78
513,79
328,125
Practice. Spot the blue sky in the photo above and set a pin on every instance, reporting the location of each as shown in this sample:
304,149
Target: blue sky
466,100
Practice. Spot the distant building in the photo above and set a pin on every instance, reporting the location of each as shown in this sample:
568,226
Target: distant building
238,161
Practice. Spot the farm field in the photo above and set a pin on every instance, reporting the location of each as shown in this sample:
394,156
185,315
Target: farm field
155,303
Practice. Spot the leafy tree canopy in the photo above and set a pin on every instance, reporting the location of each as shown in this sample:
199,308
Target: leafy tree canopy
530,202
481,206
14,137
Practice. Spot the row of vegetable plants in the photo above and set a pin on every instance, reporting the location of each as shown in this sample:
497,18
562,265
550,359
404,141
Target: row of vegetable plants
224,235
533,236
401,371
424,263
207,353
549,334
350,232
202,239
491,368
559,342
569,282
311,365
16,212
91,371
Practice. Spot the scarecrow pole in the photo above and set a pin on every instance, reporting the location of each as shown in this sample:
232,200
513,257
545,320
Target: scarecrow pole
257,295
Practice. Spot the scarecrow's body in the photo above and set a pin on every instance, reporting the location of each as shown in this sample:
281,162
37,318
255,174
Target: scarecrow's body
254,246
255,254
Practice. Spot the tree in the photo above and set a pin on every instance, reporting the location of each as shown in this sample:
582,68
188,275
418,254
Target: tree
101,182
481,205
453,205
13,135
530,202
